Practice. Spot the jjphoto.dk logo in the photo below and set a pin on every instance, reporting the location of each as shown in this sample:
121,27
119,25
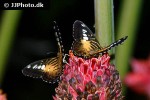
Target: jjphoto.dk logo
24,5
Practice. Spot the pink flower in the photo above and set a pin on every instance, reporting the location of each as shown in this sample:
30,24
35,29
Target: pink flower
139,79
2,95
89,79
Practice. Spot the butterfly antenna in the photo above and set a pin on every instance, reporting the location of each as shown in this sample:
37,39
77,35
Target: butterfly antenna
104,50
120,41
116,43
58,37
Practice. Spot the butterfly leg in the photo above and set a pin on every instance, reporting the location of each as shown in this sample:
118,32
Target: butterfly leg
64,59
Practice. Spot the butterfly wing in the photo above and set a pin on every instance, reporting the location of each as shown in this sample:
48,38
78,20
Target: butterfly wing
47,69
34,69
81,31
85,43
58,38
53,69
84,40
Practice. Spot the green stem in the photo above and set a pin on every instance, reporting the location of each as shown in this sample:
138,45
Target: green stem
127,25
8,27
128,22
104,22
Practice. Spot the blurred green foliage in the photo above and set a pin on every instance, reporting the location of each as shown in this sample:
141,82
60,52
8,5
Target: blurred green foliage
10,20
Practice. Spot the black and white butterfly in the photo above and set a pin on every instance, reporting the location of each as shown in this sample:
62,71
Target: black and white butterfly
48,69
85,44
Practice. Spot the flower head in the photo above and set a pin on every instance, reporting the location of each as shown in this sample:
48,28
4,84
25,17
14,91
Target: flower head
2,95
89,79
139,79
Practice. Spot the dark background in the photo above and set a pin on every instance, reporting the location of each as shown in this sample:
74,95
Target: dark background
35,38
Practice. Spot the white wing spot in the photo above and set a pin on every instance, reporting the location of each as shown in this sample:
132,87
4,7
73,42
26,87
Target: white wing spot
42,67
39,67
83,25
84,31
85,38
29,66
35,66
57,39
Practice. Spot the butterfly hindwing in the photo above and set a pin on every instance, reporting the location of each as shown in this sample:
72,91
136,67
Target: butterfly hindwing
53,69
48,69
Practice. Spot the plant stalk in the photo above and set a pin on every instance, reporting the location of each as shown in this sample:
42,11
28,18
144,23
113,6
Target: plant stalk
8,28
104,22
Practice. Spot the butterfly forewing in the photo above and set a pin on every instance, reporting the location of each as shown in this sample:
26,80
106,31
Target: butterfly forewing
84,40
81,31
48,69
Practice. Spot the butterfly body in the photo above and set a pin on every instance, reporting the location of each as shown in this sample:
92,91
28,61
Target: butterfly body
86,45
49,69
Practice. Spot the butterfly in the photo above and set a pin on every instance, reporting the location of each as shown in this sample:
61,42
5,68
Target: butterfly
85,44
49,69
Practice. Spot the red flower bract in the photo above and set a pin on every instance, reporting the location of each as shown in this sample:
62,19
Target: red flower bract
139,79
2,95
89,79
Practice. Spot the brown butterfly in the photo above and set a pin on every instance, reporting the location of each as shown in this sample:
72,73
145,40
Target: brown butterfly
48,69
85,44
